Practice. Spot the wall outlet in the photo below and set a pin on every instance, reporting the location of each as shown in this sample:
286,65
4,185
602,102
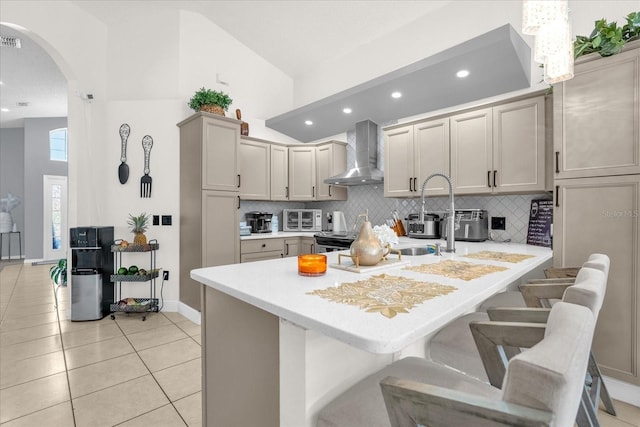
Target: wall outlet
165,275
156,220
498,223
166,219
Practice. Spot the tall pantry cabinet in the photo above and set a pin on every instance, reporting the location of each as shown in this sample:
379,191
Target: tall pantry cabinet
597,194
209,197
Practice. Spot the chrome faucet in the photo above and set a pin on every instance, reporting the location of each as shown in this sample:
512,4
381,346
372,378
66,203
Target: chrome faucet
451,245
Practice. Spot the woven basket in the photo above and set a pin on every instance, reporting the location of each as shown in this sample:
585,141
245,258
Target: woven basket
211,108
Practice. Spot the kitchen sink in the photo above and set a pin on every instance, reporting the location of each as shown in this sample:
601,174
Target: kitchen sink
414,251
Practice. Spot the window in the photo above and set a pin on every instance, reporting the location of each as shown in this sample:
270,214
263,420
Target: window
58,144
56,217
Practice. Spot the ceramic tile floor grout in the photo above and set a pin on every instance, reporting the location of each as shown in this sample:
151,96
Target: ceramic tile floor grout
28,282
27,285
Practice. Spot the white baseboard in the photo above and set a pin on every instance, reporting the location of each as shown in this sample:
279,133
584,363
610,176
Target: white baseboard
625,392
188,312
182,308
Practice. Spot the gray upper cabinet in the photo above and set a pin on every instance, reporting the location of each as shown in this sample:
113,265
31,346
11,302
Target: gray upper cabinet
398,162
331,159
472,151
500,149
412,153
597,125
279,172
254,169
220,154
302,173
519,147
497,149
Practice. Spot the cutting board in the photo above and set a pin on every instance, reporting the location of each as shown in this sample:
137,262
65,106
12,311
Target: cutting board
382,265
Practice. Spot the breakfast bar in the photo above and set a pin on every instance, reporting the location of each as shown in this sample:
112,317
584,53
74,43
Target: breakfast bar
278,346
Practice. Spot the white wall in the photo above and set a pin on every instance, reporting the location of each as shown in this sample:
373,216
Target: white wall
143,74
457,22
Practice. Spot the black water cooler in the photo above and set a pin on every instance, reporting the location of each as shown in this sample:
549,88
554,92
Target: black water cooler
92,260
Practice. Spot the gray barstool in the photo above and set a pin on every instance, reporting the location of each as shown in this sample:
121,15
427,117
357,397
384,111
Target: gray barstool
536,387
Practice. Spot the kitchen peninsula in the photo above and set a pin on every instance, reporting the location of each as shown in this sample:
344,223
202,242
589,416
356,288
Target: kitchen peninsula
277,346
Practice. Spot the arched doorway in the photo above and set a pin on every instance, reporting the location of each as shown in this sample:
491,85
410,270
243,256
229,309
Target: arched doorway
34,102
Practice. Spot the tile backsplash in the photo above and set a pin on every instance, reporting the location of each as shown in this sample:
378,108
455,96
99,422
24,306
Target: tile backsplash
515,208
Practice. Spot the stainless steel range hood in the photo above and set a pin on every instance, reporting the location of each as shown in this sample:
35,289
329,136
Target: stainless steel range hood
366,169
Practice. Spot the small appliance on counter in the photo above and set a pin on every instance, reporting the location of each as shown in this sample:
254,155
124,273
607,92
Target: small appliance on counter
471,225
428,229
339,223
302,220
260,222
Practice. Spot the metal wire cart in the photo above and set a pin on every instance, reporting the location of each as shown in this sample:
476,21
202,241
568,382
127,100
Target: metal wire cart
134,305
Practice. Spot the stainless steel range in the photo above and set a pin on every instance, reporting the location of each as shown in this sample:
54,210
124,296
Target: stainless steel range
329,242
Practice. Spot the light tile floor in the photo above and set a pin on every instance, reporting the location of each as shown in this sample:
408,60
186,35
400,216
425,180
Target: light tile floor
125,372
54,372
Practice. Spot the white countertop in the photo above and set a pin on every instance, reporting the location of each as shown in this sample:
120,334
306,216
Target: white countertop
284,293
279,235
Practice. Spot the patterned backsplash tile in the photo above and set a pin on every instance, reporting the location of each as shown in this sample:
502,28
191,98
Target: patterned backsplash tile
515,208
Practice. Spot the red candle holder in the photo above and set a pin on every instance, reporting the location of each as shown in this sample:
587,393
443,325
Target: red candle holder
312,264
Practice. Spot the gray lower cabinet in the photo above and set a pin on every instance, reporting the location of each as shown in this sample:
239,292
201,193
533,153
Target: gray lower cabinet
261,249
602,215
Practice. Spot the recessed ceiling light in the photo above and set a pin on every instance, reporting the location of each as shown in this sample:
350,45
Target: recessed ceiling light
5,110
396,95
462,73
346,110
308,122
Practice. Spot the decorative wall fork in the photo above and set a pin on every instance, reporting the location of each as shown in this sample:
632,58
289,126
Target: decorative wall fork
145,181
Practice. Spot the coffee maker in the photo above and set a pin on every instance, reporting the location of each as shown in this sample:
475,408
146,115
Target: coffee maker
260,222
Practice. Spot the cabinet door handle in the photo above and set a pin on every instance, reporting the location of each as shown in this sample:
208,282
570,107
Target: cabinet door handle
415,184
264,245
286,192
238,202
410,179
286,249
489,179
557,196
238,180
494,178
313,191
329,190
557,162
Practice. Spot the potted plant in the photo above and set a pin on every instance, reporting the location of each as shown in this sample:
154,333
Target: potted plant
58,273
607,38
139,225
211,101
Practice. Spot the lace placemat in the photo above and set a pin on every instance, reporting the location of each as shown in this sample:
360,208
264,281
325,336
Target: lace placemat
384,294
499,256
456,269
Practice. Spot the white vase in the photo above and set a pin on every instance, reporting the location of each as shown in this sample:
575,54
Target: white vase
6,223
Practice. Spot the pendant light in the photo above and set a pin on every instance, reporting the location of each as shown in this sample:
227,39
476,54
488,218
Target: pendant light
536,13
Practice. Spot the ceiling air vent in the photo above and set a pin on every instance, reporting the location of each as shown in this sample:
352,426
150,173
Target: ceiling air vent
22,104
9,42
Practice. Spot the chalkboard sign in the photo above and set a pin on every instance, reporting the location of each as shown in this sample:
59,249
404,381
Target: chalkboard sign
540,223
